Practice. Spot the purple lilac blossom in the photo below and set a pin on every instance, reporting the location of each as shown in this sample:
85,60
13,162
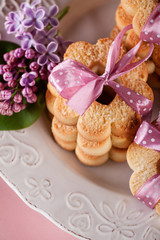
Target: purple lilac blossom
50,66
32,99
30,53
27,92
17,98
43,73
6,57
7,76
34,66
49,16
12,83
25,5
18,53
34,18
27,40
47,53
6,68
28,79
6,105
14,22
62,45
16,107
45,37
5,94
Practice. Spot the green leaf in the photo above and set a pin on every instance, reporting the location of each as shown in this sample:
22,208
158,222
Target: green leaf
5,47
24,118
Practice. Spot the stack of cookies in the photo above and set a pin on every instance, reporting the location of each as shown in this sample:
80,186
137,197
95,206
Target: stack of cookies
109,125
136,12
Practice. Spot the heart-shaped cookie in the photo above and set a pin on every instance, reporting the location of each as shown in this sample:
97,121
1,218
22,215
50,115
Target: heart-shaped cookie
145,163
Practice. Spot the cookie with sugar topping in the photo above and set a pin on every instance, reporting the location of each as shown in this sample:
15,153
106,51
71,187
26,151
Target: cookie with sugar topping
140,10
122,18
145,163
109,125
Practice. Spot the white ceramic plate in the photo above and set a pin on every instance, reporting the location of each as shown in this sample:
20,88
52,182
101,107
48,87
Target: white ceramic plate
91,203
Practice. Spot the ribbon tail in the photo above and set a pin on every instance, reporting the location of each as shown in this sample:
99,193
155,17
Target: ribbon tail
86,95
122,62
136,101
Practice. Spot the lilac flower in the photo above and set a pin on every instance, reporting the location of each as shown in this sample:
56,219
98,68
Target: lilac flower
5,94
32,99
12,83
28,79
7,76
47,53
16,107
25,5
43,73
30,53
49,17
34,66
46,36
6,105
18,53
6,68
62,45
5,111
17,98
50,66
6,56
27,40
27,92
14,22
34,18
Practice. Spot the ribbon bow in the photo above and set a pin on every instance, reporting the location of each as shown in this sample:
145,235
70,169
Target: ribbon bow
82,87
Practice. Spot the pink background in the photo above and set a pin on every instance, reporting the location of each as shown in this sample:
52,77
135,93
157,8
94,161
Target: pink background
20,222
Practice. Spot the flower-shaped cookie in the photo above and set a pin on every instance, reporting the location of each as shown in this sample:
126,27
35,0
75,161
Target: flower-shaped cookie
109,125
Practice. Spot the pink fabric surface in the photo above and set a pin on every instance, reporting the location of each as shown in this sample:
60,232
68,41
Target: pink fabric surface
18,221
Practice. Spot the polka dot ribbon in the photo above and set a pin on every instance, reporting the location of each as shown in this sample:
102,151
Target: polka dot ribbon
148,136
81,87
149,193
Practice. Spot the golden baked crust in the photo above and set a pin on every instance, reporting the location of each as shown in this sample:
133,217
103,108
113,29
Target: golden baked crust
122,18
145,163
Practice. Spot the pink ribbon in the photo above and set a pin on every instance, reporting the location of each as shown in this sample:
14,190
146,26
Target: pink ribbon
149,193
149,136
81,87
